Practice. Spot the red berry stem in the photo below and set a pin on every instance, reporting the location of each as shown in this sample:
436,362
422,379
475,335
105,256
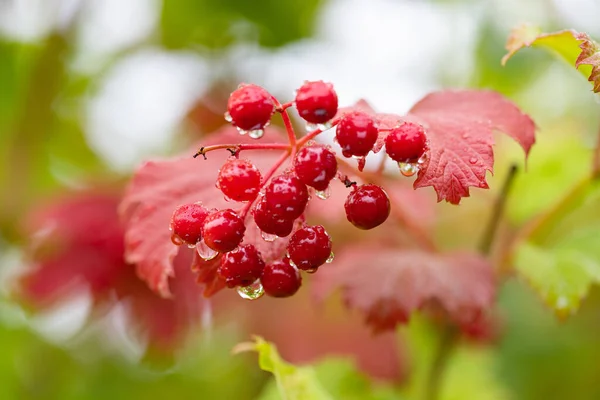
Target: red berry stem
282,107
236,148
289,128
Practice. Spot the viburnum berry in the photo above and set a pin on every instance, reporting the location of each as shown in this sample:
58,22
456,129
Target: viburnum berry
315,166
281,279
270,224
239,180
367,206
241,267
187,221
286,196
356,134
223,230
309,247
316,102
250,107
406,143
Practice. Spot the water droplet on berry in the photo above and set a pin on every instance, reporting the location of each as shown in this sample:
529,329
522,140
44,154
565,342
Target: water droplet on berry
251,292
256,133
290,260
408,169
322,127
422,160
311,270
267,237
228,117
177,241
323,194
205,252
330,258
473,160
191,246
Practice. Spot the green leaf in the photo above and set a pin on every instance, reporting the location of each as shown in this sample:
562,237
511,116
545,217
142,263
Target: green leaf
294,383
576,48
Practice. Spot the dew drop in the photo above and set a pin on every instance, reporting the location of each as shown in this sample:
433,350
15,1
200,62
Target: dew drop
177,241
311,270
251,292
191,246
241,131
422,160
267,237
291,262
256,133
408,169
323,194
205,252
228,117
473,160
330,258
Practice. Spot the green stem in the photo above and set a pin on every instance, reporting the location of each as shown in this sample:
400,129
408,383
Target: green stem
446,346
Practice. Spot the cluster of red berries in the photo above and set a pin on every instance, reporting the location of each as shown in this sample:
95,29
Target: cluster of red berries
278,203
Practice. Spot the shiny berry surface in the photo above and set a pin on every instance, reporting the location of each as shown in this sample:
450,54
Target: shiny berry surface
356,134
309,247
286,196
241,267
250,107
316,102
367,206
281,279
315,166
406,143
223,230
239,180
267,222
187,221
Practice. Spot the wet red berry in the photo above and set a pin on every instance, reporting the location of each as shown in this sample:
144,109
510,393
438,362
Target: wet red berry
356,134
316,102
309,247
281,279
367,206
286,196
223,230
315,166
250,107
269,223
239,180
187,221
406,143
241,267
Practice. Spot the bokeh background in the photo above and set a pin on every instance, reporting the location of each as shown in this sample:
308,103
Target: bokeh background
90,88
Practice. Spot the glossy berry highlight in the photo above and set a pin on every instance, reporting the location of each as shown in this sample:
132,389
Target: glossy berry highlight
286,196
223,230
250,107
406,143
281,279
315,166
241,267
367,206
356,134
309,247
269,223
316,102
239,180
187,221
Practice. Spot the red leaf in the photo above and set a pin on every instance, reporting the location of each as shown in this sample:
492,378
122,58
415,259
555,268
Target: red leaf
388,284
158,187
460,126
590,55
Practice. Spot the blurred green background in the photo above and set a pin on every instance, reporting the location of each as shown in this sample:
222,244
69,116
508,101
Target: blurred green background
90,88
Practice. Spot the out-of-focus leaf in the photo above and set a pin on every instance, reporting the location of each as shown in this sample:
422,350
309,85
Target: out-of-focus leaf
218,23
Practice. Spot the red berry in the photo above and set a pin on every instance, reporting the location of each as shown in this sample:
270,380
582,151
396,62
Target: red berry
281,279
241,267
406,143
309,247
315,166
269,223
250,107
316,102
367,206
187,221
286,196
223,230
239,180
356,133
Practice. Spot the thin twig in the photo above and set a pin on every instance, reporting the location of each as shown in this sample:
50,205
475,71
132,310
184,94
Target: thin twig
442,354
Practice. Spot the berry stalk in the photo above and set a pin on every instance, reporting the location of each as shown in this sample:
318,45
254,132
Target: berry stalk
235,149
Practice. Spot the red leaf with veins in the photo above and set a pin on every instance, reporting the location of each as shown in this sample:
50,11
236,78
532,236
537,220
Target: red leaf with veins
388,284
158,187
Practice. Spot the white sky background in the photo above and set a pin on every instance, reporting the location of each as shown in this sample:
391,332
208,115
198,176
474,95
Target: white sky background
386,51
